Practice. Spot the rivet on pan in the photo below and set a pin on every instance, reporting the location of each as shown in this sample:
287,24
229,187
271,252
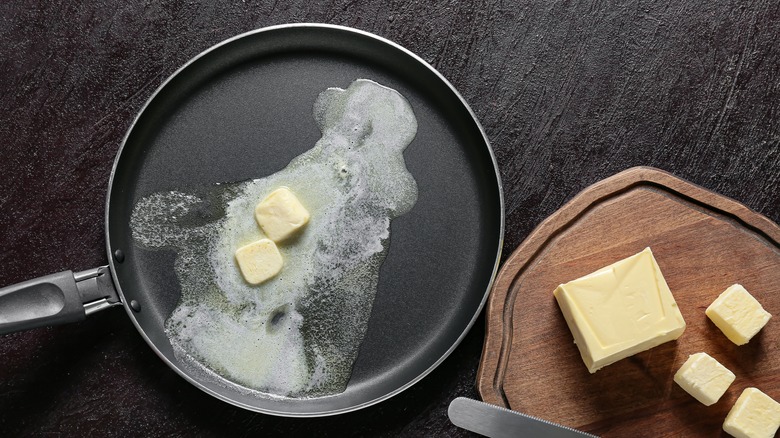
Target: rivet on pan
119,256
135,305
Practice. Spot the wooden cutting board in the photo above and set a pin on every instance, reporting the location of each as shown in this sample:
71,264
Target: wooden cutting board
703,242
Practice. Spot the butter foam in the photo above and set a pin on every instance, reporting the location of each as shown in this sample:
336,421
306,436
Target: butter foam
298,334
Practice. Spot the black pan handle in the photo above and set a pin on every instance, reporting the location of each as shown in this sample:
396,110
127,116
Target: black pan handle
56,299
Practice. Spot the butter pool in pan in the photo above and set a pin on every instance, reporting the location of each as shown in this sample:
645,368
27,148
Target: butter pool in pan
296,334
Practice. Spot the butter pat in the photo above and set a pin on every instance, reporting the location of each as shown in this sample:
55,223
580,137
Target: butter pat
620,310
259,261
704,378
280,214
754,415
737,314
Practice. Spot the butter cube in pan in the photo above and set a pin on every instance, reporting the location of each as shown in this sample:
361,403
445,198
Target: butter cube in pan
259,261
620,310
281,214
704,378
738,314
754,415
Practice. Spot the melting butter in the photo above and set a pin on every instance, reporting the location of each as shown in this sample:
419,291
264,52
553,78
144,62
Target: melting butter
298,333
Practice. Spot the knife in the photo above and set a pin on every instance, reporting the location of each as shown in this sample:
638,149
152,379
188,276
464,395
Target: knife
497,422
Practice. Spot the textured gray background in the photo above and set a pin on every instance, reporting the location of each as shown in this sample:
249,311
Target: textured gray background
569,92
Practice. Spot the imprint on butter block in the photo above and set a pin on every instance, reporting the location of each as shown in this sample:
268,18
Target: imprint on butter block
620,310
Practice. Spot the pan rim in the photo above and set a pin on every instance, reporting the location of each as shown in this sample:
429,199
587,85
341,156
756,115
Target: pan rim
281,412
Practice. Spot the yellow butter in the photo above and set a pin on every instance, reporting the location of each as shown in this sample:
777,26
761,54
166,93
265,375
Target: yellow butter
259,261
620,310
738,314
704,378
754,415
281,214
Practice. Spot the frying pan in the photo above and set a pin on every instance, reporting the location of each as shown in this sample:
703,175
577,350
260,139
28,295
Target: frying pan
242,110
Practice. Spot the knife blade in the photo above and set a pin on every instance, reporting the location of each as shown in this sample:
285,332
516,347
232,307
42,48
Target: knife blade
497,422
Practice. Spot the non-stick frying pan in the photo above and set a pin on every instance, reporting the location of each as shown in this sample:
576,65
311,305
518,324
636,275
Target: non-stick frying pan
242,110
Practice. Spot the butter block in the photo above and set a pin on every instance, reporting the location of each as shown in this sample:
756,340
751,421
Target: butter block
280,214
704,378
754,415
738,314
620,310
259,261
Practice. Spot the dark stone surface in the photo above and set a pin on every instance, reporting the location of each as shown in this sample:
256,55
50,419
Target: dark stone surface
568,92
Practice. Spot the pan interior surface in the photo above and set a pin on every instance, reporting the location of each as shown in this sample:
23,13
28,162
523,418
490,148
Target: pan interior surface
243,110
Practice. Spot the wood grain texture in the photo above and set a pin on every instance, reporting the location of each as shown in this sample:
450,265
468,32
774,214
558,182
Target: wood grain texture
568,92
703,243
